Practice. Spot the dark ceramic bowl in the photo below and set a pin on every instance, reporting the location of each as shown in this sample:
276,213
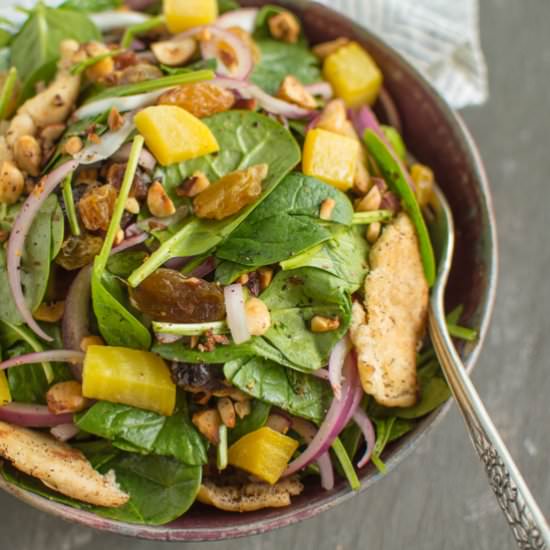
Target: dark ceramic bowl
437,137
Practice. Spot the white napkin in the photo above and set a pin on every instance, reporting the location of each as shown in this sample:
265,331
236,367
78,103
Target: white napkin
439,37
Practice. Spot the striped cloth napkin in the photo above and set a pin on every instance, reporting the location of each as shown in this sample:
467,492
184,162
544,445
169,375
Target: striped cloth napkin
439,37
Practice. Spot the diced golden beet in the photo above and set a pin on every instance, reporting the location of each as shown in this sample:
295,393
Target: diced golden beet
264,453
331,158
132,377
183,14
354,75
5,396
174,135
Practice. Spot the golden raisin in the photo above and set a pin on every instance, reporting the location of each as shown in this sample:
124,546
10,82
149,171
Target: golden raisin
231,193
199,99
96,207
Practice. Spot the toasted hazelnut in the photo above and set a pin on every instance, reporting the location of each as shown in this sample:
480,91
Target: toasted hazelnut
373,232
66,397
194,185
28,155
292,91
103,68
266,276
242,408
243,279
88,341
361,180
208,423
285,27
371,201
327,206
333,117
119,237
50,313
12,182
50,134
319,323
132,206
73,146
258,318
227,411
158,202
115,120
323,50
174,52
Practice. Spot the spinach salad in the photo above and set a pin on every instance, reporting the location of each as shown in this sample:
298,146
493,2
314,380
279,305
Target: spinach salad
215,268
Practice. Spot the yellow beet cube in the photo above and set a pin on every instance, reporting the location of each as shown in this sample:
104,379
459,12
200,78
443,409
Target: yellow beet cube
174,135
132,377
264,453
354,75
181,15
331,158
5,396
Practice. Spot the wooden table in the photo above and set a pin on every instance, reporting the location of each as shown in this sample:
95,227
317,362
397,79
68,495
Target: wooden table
438,499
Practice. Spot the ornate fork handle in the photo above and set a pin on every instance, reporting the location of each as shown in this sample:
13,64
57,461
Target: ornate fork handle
525,518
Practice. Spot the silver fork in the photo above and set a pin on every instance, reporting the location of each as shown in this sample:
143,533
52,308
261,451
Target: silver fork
524,516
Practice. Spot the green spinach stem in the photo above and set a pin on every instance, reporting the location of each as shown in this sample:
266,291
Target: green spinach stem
140,28
7,92
345,462
68,199
222,448
365,218
191,329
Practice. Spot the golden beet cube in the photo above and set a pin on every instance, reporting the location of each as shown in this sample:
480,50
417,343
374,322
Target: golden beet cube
330,157
174,135
264,453
5,396
181,15
132,377
353,74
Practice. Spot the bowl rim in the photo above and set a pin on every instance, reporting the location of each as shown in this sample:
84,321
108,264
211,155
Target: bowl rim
289,516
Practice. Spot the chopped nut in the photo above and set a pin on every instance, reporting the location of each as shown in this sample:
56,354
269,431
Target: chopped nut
173,53
119,237
361,180
68,47
258,318
98,71
194,185
327,206
242,408
12,183
371,201
208,423
66,397
373,232
94,138
291,90
266,276
86,176
246,104
158,202
323,50
227,411
243,279
88,341
285,27
50,134
333,117
132,205
115,120
324,324
73,146
28,155
50,313
278,423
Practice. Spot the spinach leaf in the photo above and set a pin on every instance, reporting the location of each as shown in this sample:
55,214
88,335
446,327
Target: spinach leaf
251,422
228,272
279,59
45,237
293,298
123,263
37,42
91,6
5,38
344,256
295,392
245,139
383,432
27,383
146,431
286,223
227,5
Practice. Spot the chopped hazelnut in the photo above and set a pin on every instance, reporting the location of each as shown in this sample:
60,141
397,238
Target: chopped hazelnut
327,206
323,50
324,324
291,90
285,27
158,202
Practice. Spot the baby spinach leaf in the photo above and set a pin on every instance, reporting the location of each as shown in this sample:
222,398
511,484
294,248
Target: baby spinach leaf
286,223
383,432
228,272
279,59
123,263
295,392
227,5
146,431
91,6
245,139
251,422
293,298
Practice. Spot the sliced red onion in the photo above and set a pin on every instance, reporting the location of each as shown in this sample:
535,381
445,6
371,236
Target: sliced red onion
321,373
146,160
205,268
321,89
178,263
244,18
64,432
32,416
390,109
313,123
335,364
164,338
355,403
363,421
278,422
130,243
109,143
108,20
60,355
18,235
139,5
122,104
269,103
334,421
390,201
236,316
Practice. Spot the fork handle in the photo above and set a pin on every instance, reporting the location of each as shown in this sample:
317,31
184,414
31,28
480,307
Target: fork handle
525,518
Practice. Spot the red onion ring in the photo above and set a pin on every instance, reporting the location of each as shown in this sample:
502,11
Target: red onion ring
64,432
205,268
363,421
390,201
32,416
60,355
236,316
334,421
16,243
390,109
335,364
244,18
146,160
178,262
130,243
321,89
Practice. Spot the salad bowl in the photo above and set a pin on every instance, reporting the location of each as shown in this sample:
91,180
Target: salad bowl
438,138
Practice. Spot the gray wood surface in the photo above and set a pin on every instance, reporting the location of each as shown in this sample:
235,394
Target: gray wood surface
438,499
